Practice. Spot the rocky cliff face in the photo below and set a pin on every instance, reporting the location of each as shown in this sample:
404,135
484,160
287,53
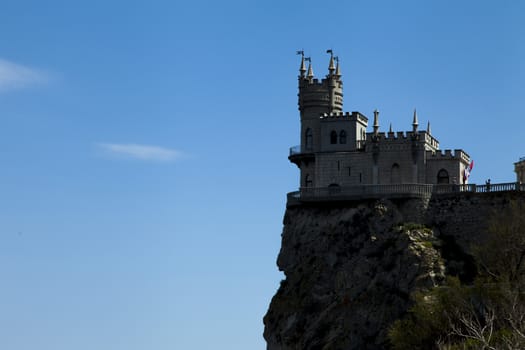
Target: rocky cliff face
350,271
352,268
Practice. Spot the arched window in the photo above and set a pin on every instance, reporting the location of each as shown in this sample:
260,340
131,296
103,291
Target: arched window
334,189
333,137
308,142
308,181
395,175
342,137
442,177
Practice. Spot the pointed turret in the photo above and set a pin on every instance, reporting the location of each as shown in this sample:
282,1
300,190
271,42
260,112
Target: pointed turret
302,68
310,74
337,69
390,129
414,122
376,121
331,65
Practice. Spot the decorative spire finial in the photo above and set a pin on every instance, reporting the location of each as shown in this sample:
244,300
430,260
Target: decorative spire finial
302,68
310,74
337,69
428,128
331,66
414,121
390,129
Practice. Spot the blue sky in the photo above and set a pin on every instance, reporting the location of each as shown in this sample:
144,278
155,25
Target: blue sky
144,149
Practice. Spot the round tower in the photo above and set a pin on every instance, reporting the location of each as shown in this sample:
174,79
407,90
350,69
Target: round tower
316,98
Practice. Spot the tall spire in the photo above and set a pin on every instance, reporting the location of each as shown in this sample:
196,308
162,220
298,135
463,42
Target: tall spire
302,68
310,74
390,129
376,121
428,128
414,122
331,66
337,69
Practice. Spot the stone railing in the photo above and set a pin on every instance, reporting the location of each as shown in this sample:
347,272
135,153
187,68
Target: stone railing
510,186
394,191
295,150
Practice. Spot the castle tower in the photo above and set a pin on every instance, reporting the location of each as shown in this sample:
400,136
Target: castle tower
316,98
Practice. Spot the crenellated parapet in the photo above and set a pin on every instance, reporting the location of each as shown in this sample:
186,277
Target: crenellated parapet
431,140
387,140
353,116
448,154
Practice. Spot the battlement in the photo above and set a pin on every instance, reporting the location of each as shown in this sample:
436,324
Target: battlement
404,136
344,115
314,83
430,140
336,115
448,154
393,136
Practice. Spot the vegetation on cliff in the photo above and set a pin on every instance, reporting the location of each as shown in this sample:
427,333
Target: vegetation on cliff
487,313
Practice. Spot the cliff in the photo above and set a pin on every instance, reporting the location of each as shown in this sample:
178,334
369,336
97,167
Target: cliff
351,269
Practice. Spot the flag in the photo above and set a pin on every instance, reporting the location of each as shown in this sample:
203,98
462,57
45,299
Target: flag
466,172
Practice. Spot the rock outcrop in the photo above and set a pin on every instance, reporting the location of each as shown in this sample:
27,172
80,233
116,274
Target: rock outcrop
352,268
350,273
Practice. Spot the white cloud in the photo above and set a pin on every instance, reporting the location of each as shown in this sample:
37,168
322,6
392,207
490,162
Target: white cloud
141,152
15,76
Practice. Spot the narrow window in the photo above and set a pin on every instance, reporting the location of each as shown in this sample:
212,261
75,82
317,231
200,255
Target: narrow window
333,137
308,139
395,174
308,181
342,137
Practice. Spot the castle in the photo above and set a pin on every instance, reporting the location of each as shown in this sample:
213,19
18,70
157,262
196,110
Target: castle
336,151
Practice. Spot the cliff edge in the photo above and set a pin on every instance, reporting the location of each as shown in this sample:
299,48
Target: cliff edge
352,268
350,271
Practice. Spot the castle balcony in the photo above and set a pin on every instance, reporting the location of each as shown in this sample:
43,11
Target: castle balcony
299,153
361,192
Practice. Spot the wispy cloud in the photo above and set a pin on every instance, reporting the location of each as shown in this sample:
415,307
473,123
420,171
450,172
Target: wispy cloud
16,76
141,152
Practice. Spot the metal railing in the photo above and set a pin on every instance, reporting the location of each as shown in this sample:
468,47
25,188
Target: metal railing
396,191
